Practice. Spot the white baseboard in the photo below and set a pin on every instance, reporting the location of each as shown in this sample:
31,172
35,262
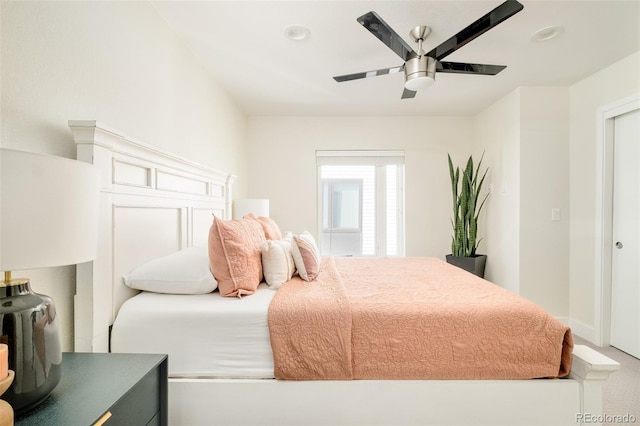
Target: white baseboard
580,329
583,330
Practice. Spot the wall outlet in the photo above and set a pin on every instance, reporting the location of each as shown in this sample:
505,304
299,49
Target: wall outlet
555,214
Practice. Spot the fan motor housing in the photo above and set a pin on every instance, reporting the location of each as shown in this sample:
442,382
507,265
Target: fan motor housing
419,72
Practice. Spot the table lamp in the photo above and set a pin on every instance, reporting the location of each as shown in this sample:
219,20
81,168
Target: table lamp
48,217
257,206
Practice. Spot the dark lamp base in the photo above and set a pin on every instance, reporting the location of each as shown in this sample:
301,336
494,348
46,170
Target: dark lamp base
29,328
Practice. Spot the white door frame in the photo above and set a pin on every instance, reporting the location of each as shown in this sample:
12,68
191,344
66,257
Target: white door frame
604,213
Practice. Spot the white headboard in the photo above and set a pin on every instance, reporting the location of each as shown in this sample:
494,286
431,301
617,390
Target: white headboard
151,204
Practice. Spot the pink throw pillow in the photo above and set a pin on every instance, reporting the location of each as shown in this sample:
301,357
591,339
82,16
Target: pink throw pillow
234,255
306,256
269,226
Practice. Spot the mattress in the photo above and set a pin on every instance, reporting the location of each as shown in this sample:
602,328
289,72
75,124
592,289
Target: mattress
364,318
204,335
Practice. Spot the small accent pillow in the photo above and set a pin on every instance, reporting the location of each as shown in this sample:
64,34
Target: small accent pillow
234,255
277,262
269,226
306,256
183,272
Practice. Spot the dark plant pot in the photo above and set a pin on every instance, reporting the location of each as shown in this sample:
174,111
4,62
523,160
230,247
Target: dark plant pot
474,264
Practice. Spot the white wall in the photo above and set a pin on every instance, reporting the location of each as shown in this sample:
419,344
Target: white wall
614,83
118,63
497,134
525,137
282,167
544,184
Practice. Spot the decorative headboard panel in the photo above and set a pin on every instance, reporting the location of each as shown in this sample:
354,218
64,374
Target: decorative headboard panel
151,204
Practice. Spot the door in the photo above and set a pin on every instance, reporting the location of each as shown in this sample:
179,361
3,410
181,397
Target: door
625,285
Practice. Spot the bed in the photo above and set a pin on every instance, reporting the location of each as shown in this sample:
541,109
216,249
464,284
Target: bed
154,204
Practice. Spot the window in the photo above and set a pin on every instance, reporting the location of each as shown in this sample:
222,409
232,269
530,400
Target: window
361,202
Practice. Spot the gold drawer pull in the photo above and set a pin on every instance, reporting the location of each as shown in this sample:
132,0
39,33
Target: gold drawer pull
102,420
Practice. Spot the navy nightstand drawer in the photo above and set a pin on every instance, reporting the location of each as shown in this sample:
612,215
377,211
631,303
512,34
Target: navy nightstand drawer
106,389
140,404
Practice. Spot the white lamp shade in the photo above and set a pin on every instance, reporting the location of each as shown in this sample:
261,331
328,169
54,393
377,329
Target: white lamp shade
257,206
49,211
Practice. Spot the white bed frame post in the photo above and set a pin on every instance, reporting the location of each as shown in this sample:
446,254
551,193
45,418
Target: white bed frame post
93,299
591,369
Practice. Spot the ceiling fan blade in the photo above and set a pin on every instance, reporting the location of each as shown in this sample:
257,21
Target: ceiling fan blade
376,26
408,94
501,13
463,68
368,74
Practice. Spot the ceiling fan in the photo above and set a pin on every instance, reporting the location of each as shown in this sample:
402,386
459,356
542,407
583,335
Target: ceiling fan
420,67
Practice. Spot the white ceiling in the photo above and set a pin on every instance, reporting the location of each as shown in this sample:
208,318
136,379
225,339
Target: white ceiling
242,44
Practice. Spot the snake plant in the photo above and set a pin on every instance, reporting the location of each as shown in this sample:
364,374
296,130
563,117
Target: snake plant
466,190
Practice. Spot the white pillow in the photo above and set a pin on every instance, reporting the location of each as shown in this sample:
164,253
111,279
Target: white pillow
183,272
306,256
277,262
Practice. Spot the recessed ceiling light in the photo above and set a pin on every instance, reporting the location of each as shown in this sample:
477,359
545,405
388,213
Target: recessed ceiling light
297,32
547,33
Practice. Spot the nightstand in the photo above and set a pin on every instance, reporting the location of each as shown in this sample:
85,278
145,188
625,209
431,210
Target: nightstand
105,389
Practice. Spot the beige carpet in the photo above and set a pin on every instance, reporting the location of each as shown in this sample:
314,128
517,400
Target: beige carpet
621,394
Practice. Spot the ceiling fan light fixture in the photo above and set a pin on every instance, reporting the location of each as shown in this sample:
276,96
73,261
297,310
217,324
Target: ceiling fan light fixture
417,82
420,72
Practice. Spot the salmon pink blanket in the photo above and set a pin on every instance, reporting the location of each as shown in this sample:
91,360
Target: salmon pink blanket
410,318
